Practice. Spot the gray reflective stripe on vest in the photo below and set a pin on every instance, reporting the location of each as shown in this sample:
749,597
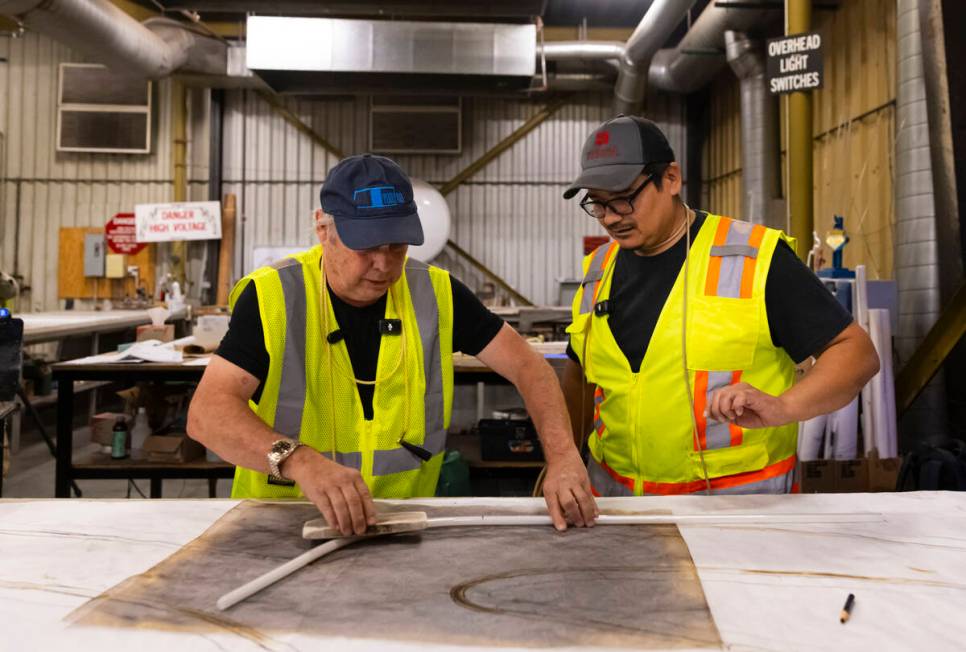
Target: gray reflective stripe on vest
291,391
602,483
717,434
594,274
735,250
733,265
351,460
780,484
426,307
397,460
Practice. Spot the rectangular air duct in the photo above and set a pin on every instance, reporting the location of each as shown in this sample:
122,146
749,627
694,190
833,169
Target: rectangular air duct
328,55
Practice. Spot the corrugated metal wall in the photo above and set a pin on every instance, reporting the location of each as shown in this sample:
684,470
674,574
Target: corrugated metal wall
43,190
510,215
853,126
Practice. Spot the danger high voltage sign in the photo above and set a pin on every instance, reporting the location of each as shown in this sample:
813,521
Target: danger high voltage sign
794,63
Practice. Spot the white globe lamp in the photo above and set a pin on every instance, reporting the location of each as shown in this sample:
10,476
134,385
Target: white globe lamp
435,218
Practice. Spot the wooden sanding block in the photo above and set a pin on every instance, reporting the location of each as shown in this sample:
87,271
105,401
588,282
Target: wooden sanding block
390,523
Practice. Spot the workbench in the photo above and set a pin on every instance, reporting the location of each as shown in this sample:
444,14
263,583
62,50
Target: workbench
57,324
101,466
768,586
467,370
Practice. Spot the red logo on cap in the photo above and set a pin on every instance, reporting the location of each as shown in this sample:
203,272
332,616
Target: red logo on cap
602,138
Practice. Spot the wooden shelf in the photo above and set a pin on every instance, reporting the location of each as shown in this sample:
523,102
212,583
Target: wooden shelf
468,446
80,386
96,461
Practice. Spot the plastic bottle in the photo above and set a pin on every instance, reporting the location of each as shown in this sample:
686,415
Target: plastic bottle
119,440
140,431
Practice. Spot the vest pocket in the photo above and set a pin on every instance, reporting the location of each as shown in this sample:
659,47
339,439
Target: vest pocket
722,333
746,458
580,325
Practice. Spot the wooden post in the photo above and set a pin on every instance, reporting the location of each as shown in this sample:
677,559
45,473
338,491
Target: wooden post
226,255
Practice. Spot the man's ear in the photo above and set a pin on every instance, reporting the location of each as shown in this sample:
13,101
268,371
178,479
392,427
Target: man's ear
672,177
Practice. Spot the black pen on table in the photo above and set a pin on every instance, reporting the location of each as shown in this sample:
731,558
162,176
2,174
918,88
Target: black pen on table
847,609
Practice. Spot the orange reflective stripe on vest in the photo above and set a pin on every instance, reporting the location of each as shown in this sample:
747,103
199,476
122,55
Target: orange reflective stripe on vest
731,268
775,478
714,434
605,481
595,274
598,421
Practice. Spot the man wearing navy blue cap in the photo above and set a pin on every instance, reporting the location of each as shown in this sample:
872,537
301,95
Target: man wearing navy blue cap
344,355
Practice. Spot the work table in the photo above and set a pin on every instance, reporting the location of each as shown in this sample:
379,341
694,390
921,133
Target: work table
768,586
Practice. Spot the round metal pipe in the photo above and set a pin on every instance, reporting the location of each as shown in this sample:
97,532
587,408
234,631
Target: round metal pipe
651,33
581,50
101,30
759,131
700,54
798,19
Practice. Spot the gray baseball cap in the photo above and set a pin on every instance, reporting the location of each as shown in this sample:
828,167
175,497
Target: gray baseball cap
616,153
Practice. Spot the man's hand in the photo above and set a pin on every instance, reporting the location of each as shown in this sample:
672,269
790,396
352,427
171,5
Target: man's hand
748,407
338,491
566,488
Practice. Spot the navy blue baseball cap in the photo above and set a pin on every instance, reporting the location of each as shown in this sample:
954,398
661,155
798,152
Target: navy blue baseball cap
371,200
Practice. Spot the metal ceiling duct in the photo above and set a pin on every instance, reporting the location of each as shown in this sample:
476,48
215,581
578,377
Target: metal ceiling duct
581,50
759,131
916,250
522,9
651,33
103,32
330,55
700,54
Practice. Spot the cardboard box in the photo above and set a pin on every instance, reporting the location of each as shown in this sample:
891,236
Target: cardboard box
102,427
172,448
883,473
849,476
817,476
163,333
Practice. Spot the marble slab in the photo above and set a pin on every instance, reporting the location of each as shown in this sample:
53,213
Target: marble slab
769,586
620,587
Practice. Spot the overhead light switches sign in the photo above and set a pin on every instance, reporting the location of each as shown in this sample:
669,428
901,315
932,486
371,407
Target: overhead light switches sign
794,63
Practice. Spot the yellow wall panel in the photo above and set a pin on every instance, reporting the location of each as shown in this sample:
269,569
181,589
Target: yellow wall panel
853,126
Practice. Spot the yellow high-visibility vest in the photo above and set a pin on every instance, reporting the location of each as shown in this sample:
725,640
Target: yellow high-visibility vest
643,440
310,393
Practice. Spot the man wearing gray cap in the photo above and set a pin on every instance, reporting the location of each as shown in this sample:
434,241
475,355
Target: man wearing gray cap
686,332
343,353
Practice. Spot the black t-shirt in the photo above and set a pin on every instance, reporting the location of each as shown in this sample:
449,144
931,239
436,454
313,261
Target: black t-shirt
244,345
802,314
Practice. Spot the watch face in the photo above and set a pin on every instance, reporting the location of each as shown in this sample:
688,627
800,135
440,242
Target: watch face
280,447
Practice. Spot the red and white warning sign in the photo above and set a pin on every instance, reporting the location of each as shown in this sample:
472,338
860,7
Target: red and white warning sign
121,235
198,220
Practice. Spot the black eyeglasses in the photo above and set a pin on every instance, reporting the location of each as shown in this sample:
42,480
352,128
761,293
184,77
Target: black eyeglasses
618,205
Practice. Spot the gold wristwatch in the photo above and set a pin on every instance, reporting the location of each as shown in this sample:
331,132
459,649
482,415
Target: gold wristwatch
279,452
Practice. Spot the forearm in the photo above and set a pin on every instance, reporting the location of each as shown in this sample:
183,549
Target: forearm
837,376
540,389
578,395
226,425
